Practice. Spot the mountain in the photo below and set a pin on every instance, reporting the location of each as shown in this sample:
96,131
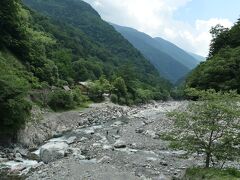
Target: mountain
97,41
197,57
172,62
177,53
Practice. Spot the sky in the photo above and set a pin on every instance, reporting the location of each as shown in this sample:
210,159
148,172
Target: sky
185,23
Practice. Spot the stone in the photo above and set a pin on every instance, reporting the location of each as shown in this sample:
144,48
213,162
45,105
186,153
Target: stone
18,157
53,151
33,156
83,139
139,130
17,168
162,177
107,147
22,151
3,160
120,144
152,134
81,157
119,114
104,159
164,163
117,124
90,131
71,140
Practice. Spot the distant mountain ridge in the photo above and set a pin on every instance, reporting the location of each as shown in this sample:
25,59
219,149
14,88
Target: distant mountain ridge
197,57
172,62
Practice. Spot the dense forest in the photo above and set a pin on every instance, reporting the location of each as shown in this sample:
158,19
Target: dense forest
222,69
67,43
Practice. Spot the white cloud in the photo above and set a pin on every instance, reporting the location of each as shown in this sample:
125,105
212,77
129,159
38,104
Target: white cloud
155,17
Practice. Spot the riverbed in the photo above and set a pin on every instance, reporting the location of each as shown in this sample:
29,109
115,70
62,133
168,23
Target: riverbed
110,142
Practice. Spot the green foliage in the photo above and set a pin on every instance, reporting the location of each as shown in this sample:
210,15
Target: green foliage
98,88
71,44
97,49
210,126
90,69
78,97
178,93
144,95
14,108
114,98
61,100
10,28
211,174
120,87
221,70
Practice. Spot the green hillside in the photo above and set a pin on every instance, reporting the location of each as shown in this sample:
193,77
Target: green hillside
221,71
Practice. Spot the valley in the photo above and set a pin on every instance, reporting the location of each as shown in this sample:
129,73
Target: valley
84,98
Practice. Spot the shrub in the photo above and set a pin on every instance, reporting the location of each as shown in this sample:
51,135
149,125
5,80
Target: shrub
122,101
78,97
114,98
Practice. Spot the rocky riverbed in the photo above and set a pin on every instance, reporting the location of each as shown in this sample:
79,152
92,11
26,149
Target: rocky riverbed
105,141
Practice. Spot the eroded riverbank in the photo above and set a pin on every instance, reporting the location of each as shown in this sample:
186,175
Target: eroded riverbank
112,142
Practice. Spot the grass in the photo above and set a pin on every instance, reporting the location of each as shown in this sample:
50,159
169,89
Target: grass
212,174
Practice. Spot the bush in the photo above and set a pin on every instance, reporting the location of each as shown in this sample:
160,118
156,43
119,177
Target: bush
61,100
122,101
78,97
212,174
114,98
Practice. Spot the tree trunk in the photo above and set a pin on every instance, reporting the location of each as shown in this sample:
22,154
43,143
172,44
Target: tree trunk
208,157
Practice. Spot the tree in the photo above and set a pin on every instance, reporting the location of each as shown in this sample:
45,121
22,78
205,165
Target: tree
220,39
120,87
210,126
221,72
10,29
14,108
99,87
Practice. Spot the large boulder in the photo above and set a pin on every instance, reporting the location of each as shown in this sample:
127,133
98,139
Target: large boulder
53,151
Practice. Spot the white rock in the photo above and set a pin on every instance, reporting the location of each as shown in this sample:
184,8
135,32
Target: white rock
71,140
107,147
104,159
163,177
151,133
119,114
120,144
83,139
96,145
116,124
89,131
53,151
18,157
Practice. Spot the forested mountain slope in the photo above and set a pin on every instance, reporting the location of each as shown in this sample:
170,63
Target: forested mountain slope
38,53
172,62
221,71
111,48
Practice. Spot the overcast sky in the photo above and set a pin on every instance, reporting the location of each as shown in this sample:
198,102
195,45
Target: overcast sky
183,22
